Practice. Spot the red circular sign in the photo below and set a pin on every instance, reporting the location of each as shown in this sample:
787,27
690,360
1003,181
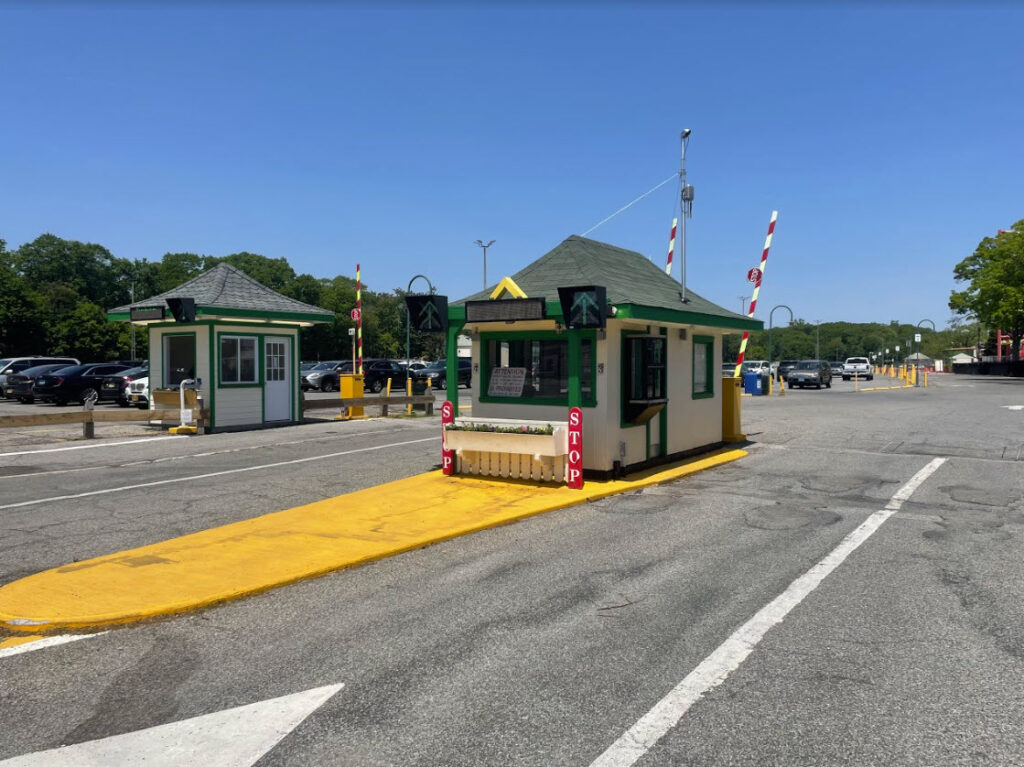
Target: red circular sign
355,314
754,275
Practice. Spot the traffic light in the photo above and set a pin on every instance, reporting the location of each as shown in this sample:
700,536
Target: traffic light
183,309
584,306
428,314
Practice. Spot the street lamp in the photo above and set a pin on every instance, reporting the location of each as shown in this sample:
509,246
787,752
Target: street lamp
408,318
743,304
917,378
485,247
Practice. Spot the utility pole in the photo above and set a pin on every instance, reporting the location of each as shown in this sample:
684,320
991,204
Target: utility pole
817,354
485,247
743,304
685,210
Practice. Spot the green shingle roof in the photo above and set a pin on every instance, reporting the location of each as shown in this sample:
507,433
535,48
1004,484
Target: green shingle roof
225,290
635,285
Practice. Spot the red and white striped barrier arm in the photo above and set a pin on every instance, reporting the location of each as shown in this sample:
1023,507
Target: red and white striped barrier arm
757,289
671,247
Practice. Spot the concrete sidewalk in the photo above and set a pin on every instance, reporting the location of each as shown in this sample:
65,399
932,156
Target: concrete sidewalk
255,555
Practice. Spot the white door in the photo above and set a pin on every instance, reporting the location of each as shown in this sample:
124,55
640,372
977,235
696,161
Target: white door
277,386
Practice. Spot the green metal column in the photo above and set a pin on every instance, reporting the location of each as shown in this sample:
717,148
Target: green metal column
575,374
452,373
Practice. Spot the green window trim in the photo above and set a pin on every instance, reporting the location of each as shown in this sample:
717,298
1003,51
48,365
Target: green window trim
258,341
570,336
709,367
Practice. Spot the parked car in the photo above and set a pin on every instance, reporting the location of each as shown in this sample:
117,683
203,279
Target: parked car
816,373
728,369
756,366
138,393
377,372
10,365
19,385
324,375
115,387
859,367
837,368
784,367
437,373
75,383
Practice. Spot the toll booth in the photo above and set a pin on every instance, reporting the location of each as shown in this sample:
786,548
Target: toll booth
237,338
602,329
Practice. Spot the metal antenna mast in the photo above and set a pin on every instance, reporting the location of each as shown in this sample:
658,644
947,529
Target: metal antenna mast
686,211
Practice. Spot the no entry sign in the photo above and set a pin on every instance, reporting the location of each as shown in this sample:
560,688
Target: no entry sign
355,314
754,275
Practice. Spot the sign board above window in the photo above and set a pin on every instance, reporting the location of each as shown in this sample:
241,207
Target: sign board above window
506,310
584,306
146,313
428,314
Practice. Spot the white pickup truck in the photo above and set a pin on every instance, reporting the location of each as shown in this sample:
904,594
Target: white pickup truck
859,367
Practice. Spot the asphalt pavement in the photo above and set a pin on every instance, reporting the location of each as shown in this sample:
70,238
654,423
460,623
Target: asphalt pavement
544,642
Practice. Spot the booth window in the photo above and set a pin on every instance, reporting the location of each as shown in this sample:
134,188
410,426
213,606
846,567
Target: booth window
179,358
645,381
536,369
703,367
238,360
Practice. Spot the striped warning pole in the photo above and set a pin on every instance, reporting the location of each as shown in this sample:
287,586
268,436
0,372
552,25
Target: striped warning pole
359,319
757,289
671,247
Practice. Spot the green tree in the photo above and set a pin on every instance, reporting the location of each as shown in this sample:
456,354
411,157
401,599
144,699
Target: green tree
994,294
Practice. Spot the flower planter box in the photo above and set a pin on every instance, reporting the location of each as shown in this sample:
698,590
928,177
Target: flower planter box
539,457
171,399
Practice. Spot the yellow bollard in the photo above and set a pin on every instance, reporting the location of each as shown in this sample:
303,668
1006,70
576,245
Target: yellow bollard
732,388
856,381
387,389
771,380
408,393
926,378
782,387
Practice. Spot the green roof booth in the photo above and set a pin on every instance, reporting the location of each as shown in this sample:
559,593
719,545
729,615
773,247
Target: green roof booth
641,364
236,337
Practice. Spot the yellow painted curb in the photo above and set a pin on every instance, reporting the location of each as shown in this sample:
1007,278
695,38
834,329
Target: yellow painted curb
276,549
15,641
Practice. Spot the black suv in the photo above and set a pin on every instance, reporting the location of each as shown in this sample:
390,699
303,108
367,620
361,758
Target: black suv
437,373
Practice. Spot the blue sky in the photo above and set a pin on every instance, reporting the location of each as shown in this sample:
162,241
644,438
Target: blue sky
891,140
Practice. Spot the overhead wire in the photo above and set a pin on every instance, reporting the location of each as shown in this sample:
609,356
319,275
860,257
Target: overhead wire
631,204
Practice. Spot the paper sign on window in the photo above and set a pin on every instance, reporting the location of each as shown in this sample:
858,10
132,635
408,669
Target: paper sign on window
506,382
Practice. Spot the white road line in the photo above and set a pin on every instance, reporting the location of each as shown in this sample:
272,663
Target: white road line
234,737
88,447
42,644
714,669
193,477
148,461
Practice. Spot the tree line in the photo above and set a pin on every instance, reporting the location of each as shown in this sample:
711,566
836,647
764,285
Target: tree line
55,294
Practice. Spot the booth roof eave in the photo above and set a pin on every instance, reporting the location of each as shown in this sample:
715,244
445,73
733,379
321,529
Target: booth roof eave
223,315
457,315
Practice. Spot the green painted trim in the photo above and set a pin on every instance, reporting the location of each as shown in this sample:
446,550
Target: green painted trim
709,366
221,312
543,335
624,375
575,393
213,381
663,424
657,314
163,355
118,316
452,370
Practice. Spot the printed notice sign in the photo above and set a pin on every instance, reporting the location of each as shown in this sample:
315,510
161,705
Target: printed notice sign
506,382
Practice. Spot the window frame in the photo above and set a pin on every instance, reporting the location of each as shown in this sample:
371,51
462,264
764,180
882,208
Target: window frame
166,357
626,403
539,335
258,360
709,368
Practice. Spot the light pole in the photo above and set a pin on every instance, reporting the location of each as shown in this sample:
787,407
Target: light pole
917,378
485,246
408,319
779,306
743,303
685,211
